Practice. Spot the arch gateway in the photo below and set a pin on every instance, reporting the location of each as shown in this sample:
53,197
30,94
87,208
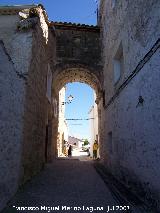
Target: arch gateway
78,56
119,59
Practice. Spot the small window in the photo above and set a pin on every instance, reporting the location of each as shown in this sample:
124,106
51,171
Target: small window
49,84
118,64
110,145
96,137
104,103
55,108
113,3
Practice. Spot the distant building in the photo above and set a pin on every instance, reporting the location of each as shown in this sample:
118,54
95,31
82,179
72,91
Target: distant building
62,125
93,115
75,141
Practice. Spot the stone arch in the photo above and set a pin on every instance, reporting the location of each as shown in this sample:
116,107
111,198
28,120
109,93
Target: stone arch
70,73
77,73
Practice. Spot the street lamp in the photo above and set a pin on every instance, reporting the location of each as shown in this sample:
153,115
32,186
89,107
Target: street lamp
70,98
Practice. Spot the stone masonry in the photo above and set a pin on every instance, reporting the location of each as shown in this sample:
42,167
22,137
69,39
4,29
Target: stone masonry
78,55
37,107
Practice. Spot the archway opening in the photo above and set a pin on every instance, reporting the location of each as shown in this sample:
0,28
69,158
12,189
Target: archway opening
78,122
69,131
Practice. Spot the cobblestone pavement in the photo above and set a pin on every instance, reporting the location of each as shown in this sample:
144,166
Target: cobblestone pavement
65,183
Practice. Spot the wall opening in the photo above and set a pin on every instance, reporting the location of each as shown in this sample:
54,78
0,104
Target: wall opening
75,74
110,142
118,64
78,121
46,144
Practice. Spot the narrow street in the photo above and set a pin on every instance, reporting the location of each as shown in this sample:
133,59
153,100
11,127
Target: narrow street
66,185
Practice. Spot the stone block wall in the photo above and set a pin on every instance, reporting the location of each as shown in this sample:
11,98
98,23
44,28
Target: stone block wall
38,141
130,146
78,44
35,109
78,56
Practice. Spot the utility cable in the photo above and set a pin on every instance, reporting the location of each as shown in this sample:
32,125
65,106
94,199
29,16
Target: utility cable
78,119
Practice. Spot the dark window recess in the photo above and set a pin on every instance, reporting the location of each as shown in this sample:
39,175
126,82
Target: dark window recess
104,103
46,144
110,142
118,64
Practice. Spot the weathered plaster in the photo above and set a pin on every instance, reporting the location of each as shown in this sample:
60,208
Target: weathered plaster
12,92
135,126
24,110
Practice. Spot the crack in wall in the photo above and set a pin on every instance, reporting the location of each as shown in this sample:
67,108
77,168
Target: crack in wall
20,75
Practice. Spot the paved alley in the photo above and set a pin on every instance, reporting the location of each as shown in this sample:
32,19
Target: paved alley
65,186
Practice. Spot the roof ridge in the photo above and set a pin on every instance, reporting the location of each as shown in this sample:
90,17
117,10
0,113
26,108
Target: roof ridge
74,24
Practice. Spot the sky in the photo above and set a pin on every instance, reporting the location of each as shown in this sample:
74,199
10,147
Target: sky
75,11
81,104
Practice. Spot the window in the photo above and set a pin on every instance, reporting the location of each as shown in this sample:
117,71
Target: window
96,137
113,3
55,108
118,64
110,145
49,84
104,103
